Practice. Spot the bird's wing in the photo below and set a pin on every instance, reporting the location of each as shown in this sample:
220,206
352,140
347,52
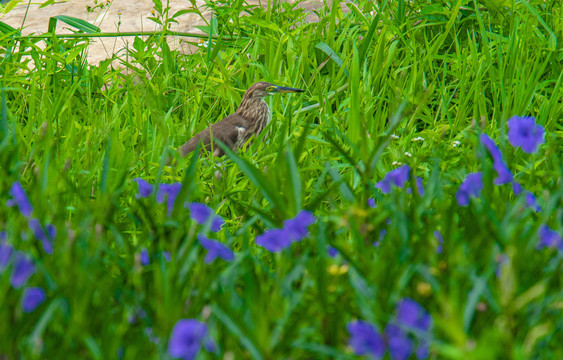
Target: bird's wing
227,131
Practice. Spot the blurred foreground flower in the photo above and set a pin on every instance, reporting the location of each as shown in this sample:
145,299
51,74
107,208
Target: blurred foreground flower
419,187
46,239
504,175
524,132
215,249
470,187
517,188
365,340
501,260
167,256
412,323
32,298
332,252
274,240
382,234
531,201
6,251
23,269
201,214
187,338
398,342
145,189
413,315
19,198
549,238
145,258
440,239
396,177
295,229
170,192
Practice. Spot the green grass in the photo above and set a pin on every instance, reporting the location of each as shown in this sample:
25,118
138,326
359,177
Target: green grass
75,136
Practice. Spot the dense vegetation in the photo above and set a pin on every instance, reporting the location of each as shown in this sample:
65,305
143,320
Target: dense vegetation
103,240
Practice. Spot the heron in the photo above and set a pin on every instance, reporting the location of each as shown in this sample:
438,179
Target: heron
250,118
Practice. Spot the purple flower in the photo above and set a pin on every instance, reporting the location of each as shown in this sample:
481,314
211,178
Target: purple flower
202,213
20,199
422,350
440,239
39,233
549,238
297,228
396,177
332,252
419,187
23,269
145,258
382,234
186,339
524,132
215,249
492,147
274,240
501,259
400,346
531,202
167,256
6,251
170,191
516,188
470,187
32,298
414,316
210,345
371,203
504,175
145,189
365,340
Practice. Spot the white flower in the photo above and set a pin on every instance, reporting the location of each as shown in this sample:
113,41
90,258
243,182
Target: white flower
393,136
408,154
397,163
418,139
205,43
456,143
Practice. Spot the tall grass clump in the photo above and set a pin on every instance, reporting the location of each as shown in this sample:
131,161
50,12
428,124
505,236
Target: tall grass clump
408,205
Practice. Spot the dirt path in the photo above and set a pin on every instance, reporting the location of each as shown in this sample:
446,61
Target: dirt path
118,15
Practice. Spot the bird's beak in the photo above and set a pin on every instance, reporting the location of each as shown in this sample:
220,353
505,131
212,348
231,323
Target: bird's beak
283,90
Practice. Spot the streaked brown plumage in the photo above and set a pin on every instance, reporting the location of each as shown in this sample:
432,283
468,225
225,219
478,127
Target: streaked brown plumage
251,117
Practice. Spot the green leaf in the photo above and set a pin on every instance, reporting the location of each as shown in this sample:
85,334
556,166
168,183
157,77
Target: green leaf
236,328
253,175
183,12
74,22
322,46
262,23
7,29
294,177
3,117
94,348
367,39
46,3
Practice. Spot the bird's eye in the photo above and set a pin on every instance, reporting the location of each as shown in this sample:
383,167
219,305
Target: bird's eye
271,88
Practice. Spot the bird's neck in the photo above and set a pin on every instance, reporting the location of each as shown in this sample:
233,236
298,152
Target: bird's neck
255,110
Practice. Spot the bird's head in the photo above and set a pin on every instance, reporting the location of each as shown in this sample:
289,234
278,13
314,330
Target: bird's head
261,89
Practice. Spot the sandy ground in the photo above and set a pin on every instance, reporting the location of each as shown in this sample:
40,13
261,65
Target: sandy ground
122,16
